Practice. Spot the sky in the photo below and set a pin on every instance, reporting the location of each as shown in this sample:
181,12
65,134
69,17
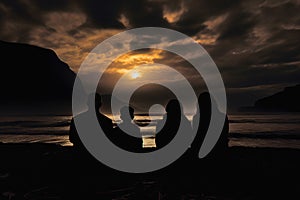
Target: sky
254,43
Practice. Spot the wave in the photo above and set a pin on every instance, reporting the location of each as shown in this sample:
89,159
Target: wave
16,123
35,124
264,121
266,135
36,133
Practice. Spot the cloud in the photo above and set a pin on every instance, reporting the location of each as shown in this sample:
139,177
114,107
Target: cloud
64,21
138,58
70,48
125,21
173,15
254,43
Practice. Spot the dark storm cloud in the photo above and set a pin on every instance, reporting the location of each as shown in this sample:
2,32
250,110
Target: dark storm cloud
255,43
237,25
144,13
17,18
103,14
197,12
259,35
52,5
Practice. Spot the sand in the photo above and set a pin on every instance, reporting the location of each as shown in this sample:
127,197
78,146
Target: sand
48,171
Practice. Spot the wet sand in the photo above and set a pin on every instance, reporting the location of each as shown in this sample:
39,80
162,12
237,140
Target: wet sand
48,171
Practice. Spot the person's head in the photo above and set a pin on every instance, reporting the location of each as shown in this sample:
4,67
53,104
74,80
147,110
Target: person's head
127,113
173,107
94,98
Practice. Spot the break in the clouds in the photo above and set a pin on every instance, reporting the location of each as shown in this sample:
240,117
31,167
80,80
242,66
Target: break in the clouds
254,43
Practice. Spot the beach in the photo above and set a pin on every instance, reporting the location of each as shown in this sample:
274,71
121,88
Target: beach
39,162
51,171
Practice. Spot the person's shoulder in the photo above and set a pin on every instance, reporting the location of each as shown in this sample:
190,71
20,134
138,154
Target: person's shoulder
80,115
103,117
135,128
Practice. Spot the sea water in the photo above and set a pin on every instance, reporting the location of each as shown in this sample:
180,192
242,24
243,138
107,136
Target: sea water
275,130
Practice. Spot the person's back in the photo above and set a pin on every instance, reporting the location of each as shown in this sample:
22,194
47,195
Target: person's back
170,124
204,117
104,122
124,140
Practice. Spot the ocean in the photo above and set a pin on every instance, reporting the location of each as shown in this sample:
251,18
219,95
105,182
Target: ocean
267,130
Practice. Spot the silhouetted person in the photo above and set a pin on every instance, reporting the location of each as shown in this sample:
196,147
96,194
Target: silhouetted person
204,116
104,122
121,138
171,122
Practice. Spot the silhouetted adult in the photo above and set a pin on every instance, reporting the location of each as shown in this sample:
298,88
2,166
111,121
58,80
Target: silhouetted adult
204,116
104,122
170,124
121,138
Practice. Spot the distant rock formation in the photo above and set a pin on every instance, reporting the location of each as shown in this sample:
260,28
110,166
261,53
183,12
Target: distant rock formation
286,100
34,80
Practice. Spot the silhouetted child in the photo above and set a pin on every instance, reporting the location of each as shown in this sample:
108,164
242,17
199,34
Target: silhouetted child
124,140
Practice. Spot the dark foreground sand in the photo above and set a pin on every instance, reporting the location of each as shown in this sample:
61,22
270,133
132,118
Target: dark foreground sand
46,171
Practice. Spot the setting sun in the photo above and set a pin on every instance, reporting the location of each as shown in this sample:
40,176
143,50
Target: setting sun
135,75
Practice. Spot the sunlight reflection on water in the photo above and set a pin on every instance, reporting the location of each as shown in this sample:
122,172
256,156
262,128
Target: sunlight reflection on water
245,130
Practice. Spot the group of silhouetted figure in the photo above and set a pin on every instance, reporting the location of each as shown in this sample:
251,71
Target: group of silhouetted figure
168,126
